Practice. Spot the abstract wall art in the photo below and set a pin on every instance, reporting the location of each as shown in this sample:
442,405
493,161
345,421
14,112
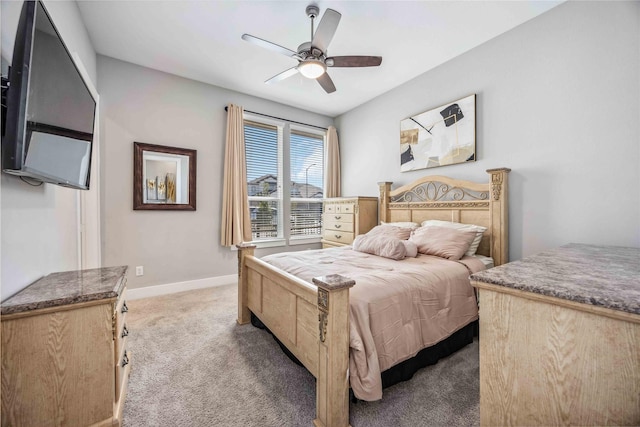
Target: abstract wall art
441,136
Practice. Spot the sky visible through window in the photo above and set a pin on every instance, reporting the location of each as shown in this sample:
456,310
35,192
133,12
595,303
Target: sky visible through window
262,155
307,154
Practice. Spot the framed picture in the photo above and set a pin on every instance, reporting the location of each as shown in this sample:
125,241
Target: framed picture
444,135
164,178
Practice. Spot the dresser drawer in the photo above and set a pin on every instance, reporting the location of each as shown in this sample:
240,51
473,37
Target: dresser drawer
332,224
346,238
337,217
330,208
122,372
326,244
121,331
348,208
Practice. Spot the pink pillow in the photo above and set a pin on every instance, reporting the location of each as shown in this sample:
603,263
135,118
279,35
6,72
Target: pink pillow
443,242
381,245
401,233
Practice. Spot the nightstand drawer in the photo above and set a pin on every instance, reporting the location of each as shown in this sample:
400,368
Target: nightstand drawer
346,238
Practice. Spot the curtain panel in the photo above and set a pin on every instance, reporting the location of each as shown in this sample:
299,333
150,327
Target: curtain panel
332,176
236,221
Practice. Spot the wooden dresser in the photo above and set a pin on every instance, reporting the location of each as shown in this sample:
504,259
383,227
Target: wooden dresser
560,338
344,218
64,350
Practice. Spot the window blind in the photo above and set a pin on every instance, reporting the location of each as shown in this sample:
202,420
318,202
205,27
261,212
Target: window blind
307,182
262,142
268,190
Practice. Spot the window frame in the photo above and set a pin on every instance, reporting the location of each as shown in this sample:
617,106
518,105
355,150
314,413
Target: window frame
284,170
300,240
280,239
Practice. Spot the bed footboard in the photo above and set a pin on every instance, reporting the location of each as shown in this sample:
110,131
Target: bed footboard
312,321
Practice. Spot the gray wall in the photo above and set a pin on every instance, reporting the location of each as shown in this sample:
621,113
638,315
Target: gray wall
144,105
557,101
39,224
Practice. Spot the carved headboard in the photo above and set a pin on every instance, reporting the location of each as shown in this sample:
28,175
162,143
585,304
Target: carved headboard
448,199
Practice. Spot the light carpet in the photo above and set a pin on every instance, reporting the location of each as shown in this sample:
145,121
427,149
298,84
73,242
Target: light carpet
193,365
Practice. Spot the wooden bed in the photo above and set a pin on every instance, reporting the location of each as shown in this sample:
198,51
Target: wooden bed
312,319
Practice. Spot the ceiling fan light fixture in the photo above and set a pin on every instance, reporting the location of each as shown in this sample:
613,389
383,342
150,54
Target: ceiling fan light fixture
312,68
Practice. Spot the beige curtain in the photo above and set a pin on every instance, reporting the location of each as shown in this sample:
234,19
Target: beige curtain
236,222
332,176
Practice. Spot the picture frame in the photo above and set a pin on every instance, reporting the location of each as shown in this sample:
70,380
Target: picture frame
164,178
441,136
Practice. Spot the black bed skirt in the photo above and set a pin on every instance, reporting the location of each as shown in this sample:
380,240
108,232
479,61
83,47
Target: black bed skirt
404,370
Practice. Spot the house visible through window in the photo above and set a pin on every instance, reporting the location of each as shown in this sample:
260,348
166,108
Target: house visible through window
272,199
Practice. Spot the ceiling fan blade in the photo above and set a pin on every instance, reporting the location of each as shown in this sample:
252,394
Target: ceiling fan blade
283,75
354,61
326,83
326,29
268,45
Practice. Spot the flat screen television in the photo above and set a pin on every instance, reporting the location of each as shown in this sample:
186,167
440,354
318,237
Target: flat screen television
48,134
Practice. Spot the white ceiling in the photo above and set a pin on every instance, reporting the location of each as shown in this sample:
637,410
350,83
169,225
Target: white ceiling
201,40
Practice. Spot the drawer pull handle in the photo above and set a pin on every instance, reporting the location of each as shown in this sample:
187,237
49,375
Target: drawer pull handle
124,307
338,225
125,332
125,359
337,217
338,236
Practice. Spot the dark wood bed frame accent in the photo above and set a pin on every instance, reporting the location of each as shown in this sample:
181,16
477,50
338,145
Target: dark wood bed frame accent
312,320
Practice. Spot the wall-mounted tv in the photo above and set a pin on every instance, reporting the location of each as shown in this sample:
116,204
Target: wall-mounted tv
50,110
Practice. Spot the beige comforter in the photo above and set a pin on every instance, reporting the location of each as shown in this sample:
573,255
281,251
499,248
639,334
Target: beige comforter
397,307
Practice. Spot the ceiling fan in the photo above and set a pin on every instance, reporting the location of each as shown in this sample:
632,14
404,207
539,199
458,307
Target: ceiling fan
312,56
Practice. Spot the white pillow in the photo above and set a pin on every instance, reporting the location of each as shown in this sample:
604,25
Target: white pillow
406,224
411,248
458,226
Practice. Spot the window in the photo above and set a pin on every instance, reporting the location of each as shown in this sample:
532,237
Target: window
274,150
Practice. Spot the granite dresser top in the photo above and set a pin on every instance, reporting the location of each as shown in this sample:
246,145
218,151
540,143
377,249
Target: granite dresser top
604,276
69,287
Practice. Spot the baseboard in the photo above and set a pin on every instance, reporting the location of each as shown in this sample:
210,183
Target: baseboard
172,288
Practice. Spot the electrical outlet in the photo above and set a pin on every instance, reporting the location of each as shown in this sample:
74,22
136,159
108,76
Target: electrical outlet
139,270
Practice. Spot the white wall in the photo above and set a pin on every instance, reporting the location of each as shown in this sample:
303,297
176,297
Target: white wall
144,105
38,224
557,101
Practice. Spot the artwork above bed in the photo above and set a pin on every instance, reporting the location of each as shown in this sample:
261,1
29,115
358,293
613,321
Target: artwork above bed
441,136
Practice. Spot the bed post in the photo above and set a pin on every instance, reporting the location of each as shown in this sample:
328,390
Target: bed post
244,250
332,384
385,189
499,215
